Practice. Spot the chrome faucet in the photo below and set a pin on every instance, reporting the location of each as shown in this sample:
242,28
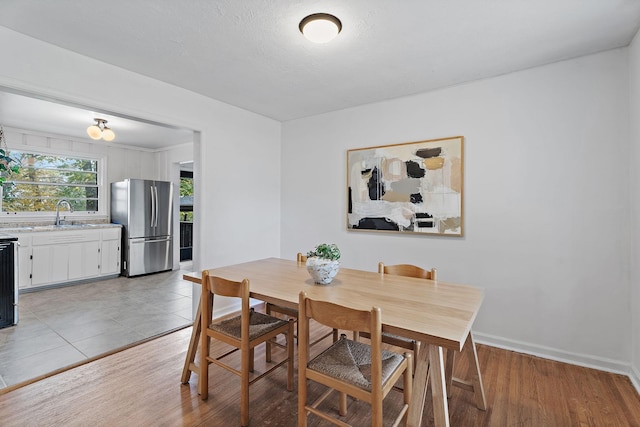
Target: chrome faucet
61,201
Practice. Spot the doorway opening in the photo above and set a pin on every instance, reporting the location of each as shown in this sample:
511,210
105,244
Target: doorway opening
186,212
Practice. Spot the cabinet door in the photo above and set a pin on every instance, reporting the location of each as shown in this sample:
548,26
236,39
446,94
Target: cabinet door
50,264
110,263
24,266
84,260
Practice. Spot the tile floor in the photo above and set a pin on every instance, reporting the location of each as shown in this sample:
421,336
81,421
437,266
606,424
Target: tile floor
62,326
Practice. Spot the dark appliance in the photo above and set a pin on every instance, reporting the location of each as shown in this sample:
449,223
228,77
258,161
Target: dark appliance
8,281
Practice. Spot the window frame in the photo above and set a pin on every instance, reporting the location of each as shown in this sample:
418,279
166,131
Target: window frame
103,189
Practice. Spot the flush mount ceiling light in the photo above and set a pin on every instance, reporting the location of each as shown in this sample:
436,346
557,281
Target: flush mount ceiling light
100,130
320,27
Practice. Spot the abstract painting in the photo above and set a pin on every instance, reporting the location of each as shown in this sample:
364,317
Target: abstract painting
415,187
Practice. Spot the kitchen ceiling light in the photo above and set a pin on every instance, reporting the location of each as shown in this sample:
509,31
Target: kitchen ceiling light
320,27
100,130
107,134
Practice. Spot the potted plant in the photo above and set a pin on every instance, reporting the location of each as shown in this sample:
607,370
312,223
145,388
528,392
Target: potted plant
7,164
323,263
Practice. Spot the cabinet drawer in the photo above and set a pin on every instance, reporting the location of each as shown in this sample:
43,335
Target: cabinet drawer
111,234
61,237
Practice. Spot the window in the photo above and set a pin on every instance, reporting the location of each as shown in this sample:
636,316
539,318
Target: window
44,179
186,196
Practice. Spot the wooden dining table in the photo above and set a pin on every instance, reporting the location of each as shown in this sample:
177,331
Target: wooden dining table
438,314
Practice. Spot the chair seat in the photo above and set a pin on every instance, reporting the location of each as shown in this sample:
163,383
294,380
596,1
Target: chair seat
259,324
350,361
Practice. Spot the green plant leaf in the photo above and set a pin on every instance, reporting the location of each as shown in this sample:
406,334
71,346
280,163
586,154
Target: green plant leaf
328,251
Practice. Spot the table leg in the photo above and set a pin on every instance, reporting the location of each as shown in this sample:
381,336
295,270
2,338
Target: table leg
448,370
438,387
474,367
420,382
189,362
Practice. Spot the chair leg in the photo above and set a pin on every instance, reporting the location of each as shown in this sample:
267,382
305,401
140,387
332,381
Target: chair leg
203,377
335,335
268,343
290,356
343,404
251,360
267,350
246,362
408,384
205,345
302,387
376,412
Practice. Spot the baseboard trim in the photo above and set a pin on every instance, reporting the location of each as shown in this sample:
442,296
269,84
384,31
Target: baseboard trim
634,376
600,363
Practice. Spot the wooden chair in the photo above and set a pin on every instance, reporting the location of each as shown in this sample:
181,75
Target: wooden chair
367,372
292,313
402,270
244,332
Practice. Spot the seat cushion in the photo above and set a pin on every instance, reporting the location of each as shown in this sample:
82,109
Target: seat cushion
350,361
259,324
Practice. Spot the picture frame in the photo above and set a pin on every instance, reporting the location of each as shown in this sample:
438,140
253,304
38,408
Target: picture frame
413,187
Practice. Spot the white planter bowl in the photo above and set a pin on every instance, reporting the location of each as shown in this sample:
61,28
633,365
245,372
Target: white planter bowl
322,270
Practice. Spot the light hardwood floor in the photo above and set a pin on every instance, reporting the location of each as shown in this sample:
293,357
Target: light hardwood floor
141,387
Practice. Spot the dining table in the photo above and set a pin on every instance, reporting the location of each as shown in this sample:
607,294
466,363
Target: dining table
438,314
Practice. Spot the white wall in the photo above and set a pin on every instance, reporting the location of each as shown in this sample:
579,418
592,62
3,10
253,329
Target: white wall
236,159
168,166
634,158
546,201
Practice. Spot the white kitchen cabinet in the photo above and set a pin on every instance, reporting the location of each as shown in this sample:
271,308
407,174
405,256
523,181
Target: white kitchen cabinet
55,257
84,260
50,264
24,261
110,252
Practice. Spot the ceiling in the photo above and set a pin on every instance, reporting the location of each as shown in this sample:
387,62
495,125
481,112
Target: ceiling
27,112
250,53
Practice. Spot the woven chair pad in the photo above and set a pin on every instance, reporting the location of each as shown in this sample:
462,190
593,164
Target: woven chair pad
350,361
259,324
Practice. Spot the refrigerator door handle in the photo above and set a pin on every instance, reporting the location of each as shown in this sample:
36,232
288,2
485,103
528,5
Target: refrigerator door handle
137,240
153,206
155,190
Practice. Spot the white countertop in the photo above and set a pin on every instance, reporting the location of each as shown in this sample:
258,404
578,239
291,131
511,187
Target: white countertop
66,227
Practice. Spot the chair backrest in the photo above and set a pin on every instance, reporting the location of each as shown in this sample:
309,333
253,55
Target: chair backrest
341,317
224,287
345,318
408,270
214,285
301,258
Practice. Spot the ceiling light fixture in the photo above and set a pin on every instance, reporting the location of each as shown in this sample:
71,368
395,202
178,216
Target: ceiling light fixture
100,130
320,27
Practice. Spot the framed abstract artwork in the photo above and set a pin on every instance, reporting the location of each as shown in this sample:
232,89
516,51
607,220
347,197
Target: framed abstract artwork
415,187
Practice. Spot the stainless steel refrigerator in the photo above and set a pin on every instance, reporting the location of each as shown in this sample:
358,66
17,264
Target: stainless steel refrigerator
145,210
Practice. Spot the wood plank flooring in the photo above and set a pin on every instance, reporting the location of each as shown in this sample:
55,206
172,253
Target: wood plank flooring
141,387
